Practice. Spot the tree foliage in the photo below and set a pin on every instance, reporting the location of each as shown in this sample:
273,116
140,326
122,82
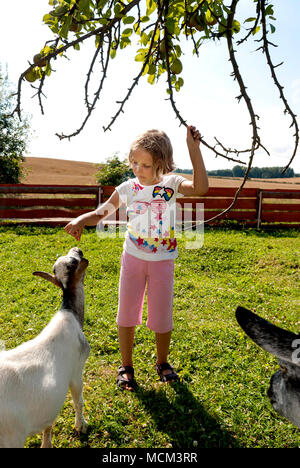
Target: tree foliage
13,137
255,172
158,27
113,171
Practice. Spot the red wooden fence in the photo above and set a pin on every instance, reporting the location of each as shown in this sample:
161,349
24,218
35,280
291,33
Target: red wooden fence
57,204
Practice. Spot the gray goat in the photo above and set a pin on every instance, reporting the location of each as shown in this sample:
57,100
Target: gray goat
284,390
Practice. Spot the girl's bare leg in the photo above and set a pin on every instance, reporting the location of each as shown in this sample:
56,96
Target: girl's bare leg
162,348
126,338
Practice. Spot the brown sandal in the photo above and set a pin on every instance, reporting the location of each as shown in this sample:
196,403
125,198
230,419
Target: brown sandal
166,377
122,382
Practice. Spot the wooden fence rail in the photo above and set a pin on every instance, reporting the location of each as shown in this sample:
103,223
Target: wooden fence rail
57,204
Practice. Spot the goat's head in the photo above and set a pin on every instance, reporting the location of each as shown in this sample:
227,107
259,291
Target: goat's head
284,390
68,270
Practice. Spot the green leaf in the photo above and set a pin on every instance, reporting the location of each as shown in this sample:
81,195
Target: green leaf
125,41
269,10
228,11
178,50
84,6
101,4
248,20
63,32
128,19
146,69
152,69
127,32
151,79
46,50
113,53
140,57
103,21
117,9
144,39
170,25
48,19
151,6
256,30
272,27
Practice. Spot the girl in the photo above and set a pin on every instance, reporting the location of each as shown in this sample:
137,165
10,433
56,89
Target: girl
150,246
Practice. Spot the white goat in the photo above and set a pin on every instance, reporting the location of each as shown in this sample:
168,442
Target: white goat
35,376
284,390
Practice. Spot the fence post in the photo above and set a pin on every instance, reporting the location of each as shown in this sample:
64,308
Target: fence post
260,196
99,193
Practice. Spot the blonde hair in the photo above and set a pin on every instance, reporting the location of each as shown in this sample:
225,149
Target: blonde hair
158,144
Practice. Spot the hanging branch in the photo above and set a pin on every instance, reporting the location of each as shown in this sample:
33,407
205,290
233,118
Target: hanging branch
253,29
183,122
272,67
102,29
136,79
98,50
255,137
96,98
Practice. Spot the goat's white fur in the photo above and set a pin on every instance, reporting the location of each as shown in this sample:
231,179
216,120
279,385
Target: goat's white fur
35,376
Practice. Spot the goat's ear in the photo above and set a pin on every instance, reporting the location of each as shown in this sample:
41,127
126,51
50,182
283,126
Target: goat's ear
275,340
48,277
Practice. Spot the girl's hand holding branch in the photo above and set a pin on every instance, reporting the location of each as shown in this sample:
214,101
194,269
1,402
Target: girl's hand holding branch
192,138
199,183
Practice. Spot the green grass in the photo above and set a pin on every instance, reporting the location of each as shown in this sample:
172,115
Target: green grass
221,400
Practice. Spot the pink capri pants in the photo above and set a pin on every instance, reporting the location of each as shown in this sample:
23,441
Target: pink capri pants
159,277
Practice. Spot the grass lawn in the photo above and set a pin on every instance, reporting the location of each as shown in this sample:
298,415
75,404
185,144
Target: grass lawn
221,400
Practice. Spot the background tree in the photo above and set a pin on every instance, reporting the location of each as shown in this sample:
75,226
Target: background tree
113,171
13,136
158,26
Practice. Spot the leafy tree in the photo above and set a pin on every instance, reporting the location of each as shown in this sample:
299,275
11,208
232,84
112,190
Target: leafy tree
13,137
113,171
238,171
255,172
159,27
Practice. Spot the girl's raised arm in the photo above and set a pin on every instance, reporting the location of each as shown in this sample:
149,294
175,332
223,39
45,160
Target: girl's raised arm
199,185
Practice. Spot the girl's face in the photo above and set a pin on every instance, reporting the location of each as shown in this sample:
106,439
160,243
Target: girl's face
142,167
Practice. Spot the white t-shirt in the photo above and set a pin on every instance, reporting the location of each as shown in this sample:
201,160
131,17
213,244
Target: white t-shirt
151,211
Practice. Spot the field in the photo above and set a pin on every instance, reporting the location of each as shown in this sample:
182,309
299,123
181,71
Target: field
58,171
221,400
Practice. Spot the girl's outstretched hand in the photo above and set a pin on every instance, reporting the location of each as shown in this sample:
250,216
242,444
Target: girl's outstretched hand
74,228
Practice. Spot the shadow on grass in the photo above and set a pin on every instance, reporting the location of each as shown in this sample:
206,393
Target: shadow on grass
185,420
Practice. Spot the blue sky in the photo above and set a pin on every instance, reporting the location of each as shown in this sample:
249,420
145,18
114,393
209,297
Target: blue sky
206,100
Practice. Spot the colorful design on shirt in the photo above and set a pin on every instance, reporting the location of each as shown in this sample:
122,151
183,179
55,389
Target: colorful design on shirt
157,206
136,187
163,192
153,245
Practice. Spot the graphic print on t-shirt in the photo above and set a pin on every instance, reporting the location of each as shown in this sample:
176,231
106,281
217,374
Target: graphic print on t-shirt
163,192
151,212
151,228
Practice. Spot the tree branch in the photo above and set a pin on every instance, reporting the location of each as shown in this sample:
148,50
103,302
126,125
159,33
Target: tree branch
102,29
287,108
